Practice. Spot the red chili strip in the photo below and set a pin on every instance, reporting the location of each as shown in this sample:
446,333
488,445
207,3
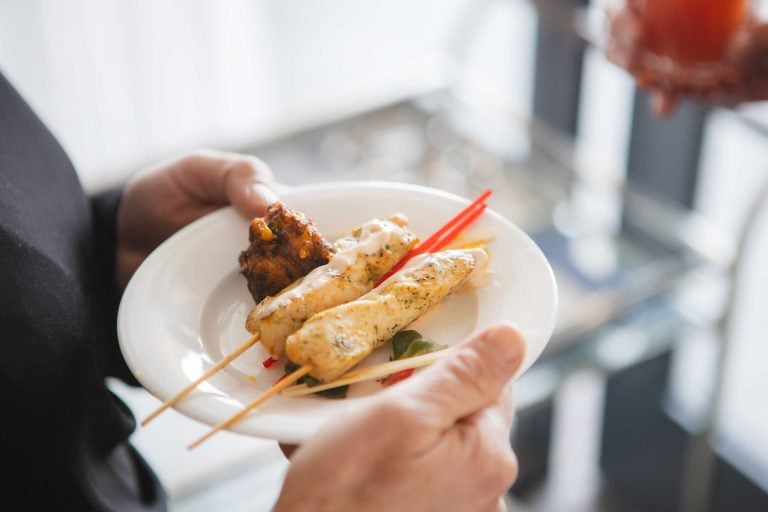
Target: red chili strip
445,234
458,228
270,362
447,226
397,377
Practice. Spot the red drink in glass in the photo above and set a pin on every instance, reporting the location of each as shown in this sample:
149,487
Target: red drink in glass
691,32
707,50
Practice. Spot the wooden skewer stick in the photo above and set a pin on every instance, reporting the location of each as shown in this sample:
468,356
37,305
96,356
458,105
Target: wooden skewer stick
371,372
290,379
207,375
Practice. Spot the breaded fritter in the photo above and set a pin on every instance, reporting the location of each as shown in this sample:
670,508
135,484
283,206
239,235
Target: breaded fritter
284,246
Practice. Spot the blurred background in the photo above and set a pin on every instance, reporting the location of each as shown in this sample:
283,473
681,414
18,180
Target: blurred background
651,394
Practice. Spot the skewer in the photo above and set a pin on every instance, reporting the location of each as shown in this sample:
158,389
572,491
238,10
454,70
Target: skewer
440,233
371,372
457,228
286,382
207,375
435,242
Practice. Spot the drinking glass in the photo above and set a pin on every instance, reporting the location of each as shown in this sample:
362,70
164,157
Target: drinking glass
679,45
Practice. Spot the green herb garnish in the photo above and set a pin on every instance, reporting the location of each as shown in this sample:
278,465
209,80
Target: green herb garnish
411,343
339,392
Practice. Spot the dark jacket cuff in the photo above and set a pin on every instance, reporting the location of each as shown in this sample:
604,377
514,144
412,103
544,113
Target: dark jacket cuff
104,208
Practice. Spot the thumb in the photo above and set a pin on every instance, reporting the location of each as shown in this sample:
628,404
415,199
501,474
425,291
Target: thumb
469,379
247,186
220,178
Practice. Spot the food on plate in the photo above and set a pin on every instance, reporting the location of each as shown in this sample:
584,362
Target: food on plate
358,261
330,340
336,339
347,299
284,246
405,344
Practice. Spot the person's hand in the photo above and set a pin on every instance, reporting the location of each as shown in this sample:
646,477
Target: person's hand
164,198
741,77
436,441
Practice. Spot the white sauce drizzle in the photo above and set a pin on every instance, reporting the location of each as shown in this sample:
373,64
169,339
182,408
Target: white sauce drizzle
478,277
374,235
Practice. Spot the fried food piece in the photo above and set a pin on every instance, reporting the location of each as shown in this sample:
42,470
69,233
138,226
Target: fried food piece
359,262
284,246
339,338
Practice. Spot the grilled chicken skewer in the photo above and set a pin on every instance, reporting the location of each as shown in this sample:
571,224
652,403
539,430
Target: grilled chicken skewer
359,261
335,340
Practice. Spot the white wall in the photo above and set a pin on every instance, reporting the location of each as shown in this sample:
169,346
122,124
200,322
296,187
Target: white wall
124,82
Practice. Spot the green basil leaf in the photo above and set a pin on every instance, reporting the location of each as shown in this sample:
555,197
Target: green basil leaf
402,340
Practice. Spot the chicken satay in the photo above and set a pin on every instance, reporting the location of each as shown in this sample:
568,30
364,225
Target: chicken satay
283,246
359,261
337,339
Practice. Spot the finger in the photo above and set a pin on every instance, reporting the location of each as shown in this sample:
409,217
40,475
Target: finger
626,40
506,404
490,428
750,51
288,449
503,409
492,421
247,190
468,380
220,178
663,103
751,59
499,506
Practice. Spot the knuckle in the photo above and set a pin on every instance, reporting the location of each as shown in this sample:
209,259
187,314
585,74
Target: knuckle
509,469
496,455
503,471
405,416
390,411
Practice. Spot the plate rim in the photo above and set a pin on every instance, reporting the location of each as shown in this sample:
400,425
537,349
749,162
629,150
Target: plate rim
181,234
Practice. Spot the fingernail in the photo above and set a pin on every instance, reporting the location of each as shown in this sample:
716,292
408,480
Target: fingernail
263,193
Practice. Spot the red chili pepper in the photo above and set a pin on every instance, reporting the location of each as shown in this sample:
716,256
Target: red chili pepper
445,234
397,377
269,362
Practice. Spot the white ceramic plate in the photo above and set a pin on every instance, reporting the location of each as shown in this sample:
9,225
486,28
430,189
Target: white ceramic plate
186,305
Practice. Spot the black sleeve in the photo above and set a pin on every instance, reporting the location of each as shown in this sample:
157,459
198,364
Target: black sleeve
104,210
